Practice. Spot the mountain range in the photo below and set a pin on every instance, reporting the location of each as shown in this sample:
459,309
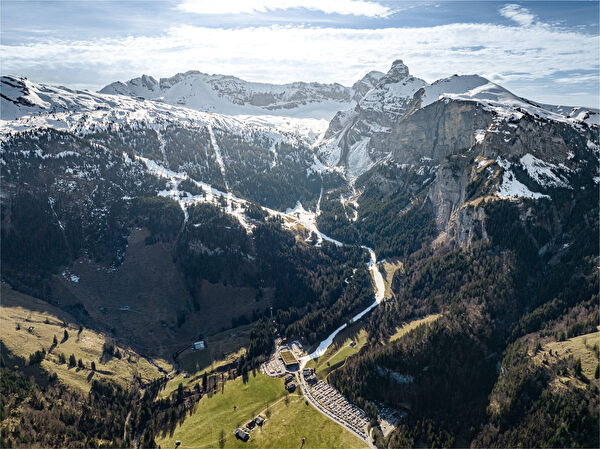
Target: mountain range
206,204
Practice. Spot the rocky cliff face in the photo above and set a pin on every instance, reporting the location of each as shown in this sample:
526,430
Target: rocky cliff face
404,118
348,141
437,131
364,85
467,141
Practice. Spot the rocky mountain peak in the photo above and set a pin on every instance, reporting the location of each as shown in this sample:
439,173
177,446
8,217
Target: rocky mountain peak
147,82
366,83
398,70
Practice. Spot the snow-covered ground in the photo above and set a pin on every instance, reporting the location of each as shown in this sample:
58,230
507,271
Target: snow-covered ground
511,187
233,96
26,105
544,173
379,296
496,98
299,216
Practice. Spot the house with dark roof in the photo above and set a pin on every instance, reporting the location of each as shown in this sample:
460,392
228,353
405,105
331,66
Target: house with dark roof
241,434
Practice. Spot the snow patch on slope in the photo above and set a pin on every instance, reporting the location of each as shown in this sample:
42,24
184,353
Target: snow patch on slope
511,187
299,216
543,172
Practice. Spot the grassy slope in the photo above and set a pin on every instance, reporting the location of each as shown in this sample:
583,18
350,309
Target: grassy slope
390,266
196,377
216,413
29,311
287,425
405,329
219,347
290,423
338,355
579,347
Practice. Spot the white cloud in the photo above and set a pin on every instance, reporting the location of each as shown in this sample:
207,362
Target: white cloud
517,13
520,56
344,7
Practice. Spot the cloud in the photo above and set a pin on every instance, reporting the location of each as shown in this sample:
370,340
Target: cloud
344,7
517,13
521,56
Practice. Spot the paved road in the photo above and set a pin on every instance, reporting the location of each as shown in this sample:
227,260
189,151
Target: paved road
308,395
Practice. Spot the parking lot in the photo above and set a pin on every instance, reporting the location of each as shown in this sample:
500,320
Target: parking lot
274,367
337,404
388,418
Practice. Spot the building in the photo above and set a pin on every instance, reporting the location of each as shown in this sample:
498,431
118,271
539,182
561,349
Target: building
199,345
312,379
291,387
259,420
241,434
289,360
307,372
289,378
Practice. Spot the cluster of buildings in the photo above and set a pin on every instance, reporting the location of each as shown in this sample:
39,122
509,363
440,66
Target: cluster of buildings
309,376
243,433
289,384
337,404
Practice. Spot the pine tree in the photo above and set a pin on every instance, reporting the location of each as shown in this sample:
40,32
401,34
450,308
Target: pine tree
72,360
93,366
54,341
577,367
222,439
65,336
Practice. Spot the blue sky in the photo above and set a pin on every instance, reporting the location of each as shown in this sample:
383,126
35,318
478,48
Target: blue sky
547,51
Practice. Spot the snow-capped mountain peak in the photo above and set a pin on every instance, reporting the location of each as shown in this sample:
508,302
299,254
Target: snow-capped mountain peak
26,105
231,95
366,83
394,91
359,139
398,70
452,85
475,88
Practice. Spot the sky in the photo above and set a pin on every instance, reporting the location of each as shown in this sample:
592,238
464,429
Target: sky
546,51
